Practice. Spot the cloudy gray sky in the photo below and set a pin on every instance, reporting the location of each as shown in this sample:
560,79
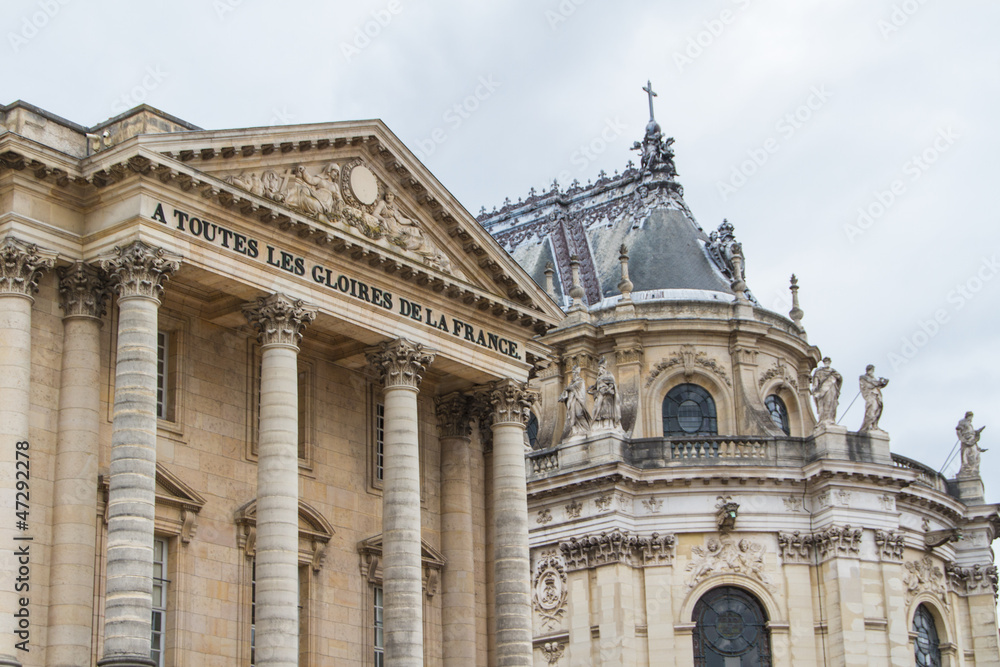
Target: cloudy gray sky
853,143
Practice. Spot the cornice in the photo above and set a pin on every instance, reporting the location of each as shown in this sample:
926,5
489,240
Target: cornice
131,159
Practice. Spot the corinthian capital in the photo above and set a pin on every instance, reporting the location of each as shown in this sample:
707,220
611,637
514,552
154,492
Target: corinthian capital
21,265
278,319
400,363
507,402
454,415
139,269
83,291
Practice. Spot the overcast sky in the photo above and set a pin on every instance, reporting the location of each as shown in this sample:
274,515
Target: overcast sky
854,143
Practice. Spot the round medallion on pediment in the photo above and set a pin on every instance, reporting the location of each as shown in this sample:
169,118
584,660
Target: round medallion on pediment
360,185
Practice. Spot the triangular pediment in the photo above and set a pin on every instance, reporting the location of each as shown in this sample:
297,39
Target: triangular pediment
351,179
171,490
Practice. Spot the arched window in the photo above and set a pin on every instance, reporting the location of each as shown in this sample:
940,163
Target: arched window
689,410
731,630
779,413
531,430
925,644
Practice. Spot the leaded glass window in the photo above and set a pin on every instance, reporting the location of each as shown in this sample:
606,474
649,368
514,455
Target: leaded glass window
689,410
925,644
731,630
779,413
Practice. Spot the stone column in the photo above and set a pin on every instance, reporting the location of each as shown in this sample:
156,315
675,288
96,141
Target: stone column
138,272
83,295
278,320
21,265
400,365
509,402
458,581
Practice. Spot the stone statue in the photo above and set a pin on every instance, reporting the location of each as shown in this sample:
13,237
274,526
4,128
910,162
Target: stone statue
607,408
871,390
826,392
406,233
969,437
575,397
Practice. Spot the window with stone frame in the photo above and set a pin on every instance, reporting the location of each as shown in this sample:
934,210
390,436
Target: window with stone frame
779,413
157,647
730,630
371,569
170,338
306,407
689,410
315,533
926,644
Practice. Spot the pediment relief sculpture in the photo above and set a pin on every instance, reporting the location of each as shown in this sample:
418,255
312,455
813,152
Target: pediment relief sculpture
720,556
344,194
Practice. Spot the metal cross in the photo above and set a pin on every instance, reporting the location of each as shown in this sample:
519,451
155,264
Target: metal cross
648,88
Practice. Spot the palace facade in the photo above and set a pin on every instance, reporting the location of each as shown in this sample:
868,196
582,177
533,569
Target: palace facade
239,372
687,505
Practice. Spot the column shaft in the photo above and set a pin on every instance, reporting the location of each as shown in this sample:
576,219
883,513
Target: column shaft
511,560
75,496
15,382
139,272
277,627
458,581
132,492
400,364
279,321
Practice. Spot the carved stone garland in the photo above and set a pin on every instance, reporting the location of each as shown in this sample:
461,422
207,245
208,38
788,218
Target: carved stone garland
977,579
689,358
924,576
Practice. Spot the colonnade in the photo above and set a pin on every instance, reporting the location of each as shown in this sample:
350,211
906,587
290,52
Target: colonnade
137,273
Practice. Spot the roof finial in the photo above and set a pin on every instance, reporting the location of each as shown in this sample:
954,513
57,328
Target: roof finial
649,91
796,313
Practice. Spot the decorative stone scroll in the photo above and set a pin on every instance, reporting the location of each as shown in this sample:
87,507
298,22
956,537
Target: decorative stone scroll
549,591
83,291
21,265
139,269
399,363
975,580
889,545
834,541
689,358
778,370
278,319
727,556
796,547
618,547
348,194
924,576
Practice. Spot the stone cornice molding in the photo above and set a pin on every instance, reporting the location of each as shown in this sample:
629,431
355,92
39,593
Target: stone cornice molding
279,319
454,415
170,169
140,270
835,541
506,401
21,265
83,291
400,363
